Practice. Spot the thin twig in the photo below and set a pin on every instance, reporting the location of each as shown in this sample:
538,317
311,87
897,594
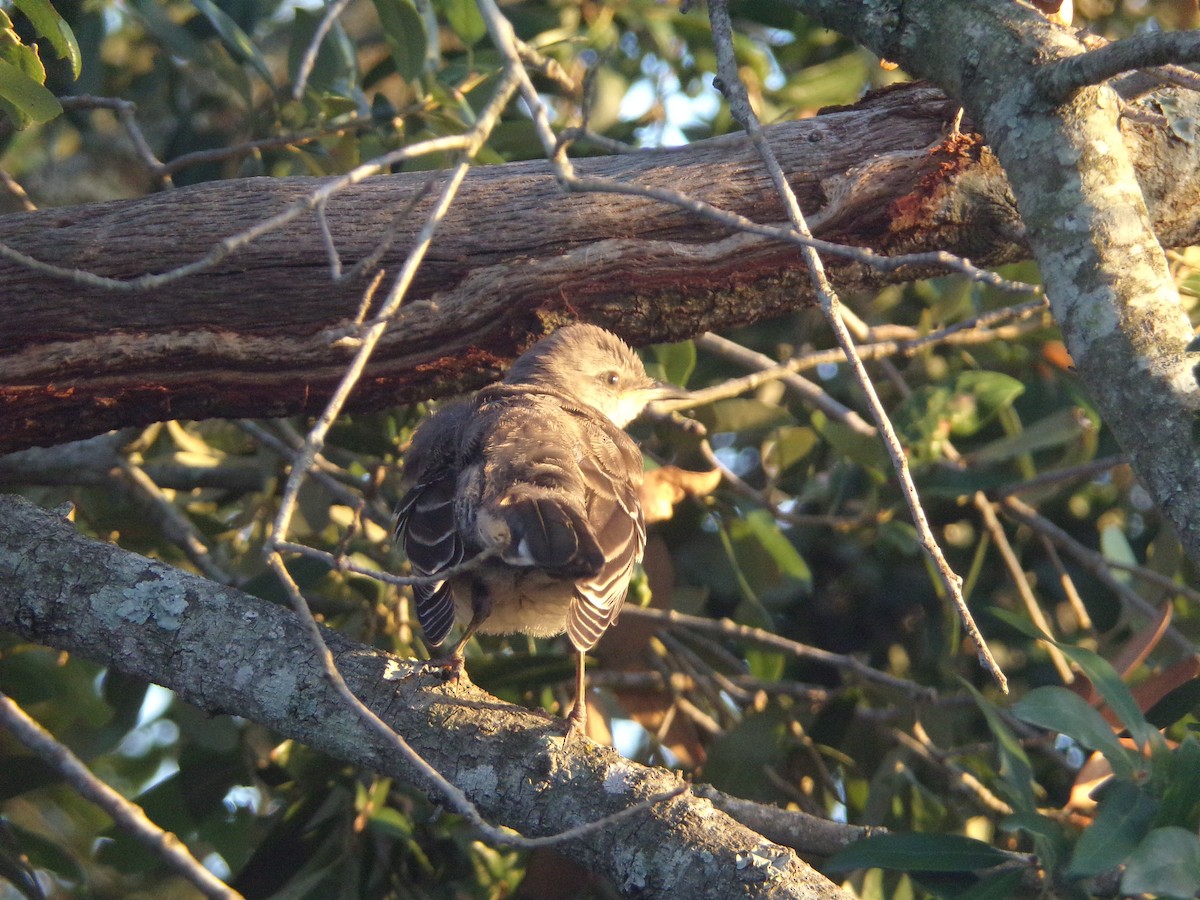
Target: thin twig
129,817
342,564
1097,564
802,387
729,628
14,187
175,525
232,244
332,14
739,104
969,331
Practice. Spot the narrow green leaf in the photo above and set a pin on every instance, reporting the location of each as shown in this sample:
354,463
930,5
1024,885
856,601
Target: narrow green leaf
1125,815
53,27
783,552
235,39
1176,785
1060,710
1058,428
1115,547
1104,678
919,853
405,34
30,99
1015,770
1165,864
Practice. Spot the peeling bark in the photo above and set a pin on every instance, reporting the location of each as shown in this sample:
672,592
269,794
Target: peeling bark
257,335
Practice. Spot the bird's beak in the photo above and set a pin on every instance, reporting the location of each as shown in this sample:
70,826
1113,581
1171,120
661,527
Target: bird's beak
661,390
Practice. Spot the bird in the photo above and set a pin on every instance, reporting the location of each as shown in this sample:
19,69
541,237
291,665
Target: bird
526,496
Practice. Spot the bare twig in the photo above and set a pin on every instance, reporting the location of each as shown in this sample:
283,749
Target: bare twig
332,13
175,525
14,187
802,387
729,628
129,817
740,108
1097,564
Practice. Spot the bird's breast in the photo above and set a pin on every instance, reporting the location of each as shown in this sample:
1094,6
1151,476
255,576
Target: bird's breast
522,601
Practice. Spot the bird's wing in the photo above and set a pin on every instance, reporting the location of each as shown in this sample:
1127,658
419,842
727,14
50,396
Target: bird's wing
612,473
523,492
426,523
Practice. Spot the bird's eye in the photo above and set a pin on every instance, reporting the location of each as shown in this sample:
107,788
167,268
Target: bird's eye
612,379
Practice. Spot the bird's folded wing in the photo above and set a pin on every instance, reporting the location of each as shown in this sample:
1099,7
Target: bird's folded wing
427,528
613,475
426,523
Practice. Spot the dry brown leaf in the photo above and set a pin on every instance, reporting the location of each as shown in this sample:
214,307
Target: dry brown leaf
662,488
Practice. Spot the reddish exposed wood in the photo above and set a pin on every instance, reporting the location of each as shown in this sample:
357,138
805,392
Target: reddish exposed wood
257,334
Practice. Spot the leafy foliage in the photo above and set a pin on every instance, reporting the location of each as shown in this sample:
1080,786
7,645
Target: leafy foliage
984,796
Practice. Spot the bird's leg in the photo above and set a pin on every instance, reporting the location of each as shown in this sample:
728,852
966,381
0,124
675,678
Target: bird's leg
452,664
577,718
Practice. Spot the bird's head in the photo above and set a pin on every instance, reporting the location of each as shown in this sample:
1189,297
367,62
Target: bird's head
593,366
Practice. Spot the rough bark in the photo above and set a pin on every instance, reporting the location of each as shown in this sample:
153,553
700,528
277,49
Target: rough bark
164,625
256,335
1087,218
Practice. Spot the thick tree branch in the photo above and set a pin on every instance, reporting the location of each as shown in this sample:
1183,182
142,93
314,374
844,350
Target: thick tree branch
166,626
1060,79
258,334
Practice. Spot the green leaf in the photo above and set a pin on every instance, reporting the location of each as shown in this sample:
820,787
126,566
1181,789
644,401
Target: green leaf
235,39
782,552
678,361
464,18
919,853
864,449
1105,680
787,446
405,34
335,66
53,27
1015,771
1165,864
1058,428
1176,785
31,100
1115,547
1125,815
1060,710
988,393
740,414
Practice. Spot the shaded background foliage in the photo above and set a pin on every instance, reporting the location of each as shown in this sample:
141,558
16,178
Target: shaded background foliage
832,562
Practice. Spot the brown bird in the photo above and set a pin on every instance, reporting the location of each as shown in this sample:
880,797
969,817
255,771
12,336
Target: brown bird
536,474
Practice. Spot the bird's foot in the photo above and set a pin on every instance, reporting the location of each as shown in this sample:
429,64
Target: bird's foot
576,722
448,668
